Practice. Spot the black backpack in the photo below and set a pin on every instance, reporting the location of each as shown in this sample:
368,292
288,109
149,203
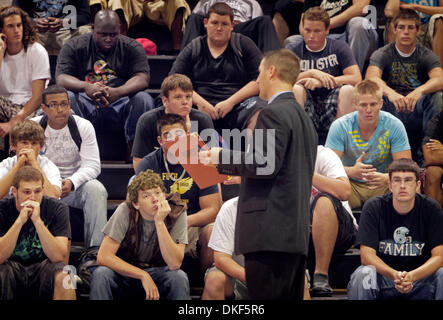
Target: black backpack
73,129
87,265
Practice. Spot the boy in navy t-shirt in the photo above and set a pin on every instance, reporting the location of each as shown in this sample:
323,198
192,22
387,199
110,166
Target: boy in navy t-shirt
328,71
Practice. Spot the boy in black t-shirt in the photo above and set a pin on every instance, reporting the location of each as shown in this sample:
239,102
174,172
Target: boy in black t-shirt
106,74
401,243
176,93
34,235
222,70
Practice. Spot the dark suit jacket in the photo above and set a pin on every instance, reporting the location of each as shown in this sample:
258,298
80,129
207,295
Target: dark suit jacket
273,208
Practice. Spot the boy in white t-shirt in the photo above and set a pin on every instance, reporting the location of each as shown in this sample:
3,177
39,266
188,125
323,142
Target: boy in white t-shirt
24,69
27,140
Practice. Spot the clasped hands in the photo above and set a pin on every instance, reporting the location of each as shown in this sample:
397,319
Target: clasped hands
101,94
403,282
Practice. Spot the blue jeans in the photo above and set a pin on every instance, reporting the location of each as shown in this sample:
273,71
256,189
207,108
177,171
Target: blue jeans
362,39
107,284
427,107
416,122
122,113
91,196
363,287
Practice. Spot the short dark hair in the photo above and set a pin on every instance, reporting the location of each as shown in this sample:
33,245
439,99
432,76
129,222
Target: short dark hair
407,14
169,119
26,173
175,81
30,34
221,9
404,165
27,130
54,89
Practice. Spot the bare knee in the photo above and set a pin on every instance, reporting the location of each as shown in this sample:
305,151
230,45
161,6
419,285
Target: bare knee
324,208
434,174
215,283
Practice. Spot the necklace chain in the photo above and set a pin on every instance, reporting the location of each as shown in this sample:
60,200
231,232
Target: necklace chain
169,173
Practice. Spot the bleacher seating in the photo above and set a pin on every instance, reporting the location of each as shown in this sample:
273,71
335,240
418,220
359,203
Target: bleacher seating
115,174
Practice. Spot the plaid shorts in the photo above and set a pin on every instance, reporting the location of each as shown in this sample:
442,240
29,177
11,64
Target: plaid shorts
322,110
8,109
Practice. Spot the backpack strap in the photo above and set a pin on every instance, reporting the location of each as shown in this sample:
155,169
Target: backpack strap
73,129
196,48
236,44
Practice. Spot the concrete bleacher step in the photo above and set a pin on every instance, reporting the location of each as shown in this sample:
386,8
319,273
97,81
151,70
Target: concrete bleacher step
159,65
115,177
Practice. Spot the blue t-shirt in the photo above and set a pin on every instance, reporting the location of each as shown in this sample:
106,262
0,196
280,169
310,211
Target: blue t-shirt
185,186
333,59
424,18
389,137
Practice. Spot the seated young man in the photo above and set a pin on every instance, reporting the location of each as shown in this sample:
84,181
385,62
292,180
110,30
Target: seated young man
24,69
203,204
433,155
176,93
401,243
333,226
223,68
411,78
347,23
248,20
71,145
328,71
367,141
144,246
106,74
431,22
34,235
27,140
227,278
57,21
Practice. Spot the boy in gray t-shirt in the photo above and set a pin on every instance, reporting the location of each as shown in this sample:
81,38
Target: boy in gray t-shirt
144,240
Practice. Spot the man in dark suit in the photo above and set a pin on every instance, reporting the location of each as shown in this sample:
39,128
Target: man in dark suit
272,228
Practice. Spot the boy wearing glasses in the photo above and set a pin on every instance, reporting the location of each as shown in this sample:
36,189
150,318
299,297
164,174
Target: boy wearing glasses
401,243
71,145
367,141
